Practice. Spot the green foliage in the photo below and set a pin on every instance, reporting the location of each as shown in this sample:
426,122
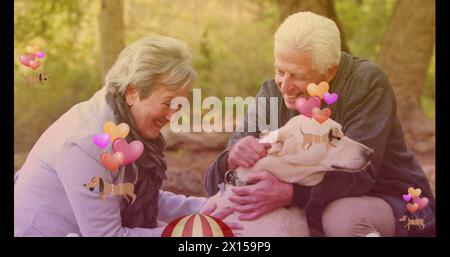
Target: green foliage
42,18
364,22
230,41
429,91
64,31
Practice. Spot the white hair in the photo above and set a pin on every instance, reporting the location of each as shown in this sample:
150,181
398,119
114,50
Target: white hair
151,60
312,34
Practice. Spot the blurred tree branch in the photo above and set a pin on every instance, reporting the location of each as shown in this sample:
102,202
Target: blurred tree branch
111,33
405,55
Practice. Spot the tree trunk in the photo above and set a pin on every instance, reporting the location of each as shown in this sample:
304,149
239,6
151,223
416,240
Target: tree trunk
322,7
111,33
405,54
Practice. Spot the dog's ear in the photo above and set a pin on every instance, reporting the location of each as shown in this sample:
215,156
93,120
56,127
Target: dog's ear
337,133
101,185
301,130
330,135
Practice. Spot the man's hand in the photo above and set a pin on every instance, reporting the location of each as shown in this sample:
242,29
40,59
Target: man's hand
246,152
266,195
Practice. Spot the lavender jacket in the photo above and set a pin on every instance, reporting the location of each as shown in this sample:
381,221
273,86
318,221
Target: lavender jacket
49,197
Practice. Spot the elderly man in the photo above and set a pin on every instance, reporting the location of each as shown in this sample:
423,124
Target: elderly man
307,50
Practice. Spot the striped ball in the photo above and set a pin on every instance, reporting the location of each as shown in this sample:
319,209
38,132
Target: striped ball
197,225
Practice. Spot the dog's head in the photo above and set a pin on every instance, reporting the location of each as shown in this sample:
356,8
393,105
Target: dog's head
324,147
345,154
94,182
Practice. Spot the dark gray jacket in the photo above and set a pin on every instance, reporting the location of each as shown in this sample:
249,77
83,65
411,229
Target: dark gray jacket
367,111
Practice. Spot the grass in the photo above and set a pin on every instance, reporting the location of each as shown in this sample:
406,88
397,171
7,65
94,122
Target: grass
428,106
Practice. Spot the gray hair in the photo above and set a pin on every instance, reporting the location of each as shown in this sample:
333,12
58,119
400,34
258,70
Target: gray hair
313,34
151,60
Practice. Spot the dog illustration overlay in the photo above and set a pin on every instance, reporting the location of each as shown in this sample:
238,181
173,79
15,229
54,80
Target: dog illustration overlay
123,153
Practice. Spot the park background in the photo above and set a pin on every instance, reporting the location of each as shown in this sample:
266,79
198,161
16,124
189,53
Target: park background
232,46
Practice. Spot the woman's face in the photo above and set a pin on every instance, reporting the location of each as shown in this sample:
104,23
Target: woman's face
153,112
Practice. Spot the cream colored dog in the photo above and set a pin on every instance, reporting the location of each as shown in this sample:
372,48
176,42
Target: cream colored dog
290,161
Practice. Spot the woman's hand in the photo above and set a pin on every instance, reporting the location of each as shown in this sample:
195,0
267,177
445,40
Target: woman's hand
222,215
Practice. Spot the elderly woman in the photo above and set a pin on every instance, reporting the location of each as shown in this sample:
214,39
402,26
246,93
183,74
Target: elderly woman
57,189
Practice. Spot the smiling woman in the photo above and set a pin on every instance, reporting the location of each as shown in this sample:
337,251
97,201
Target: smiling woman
50,199
148,75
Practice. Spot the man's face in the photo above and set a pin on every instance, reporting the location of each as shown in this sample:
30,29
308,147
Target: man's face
293,72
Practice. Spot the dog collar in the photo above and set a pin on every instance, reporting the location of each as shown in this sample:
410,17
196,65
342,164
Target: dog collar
231,178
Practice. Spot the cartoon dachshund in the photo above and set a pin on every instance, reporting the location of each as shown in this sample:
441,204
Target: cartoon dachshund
123,189
32,79
310,139
411,222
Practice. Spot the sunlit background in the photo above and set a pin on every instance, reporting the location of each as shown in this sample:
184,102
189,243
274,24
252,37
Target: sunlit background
231,43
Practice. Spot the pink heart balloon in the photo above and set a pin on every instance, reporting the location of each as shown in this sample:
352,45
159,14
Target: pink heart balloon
40,54
35,64
26,59
330,98
101,141
406,198
422,202
305,107
131,151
